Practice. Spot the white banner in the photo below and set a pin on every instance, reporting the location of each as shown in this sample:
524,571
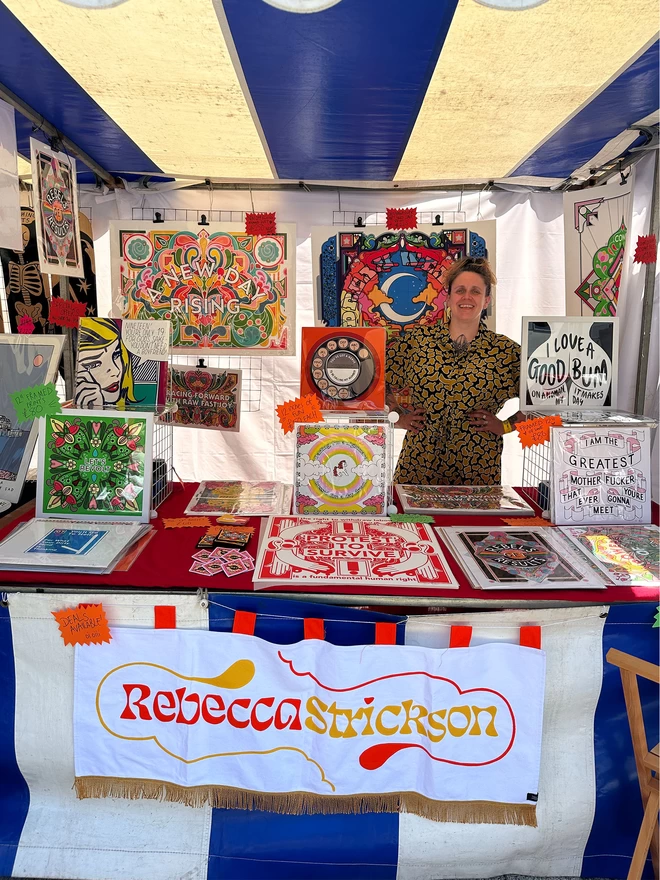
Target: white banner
311,727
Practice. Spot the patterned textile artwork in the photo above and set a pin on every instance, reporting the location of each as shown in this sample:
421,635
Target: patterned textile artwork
393,279
206,397
222,290
56,211
628,555
83,289
341,469
596,224
25,287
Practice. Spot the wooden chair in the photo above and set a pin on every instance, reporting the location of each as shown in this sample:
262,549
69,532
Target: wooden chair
647,762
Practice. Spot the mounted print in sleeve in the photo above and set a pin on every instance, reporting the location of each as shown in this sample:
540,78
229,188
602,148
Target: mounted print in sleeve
206,397
569,363
236,722
83,289
56,211
222,290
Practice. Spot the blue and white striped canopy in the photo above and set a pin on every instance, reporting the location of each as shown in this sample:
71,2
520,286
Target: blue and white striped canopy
367,92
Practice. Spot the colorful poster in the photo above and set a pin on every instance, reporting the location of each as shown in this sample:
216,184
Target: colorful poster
569,362
596,224
239,497
26,289
317,728
206,397
221,290
601,475
341,469
95,466
121,363
25,362
345,369
305,552
518,559
375,277
435,500
82,289
55,190
628,555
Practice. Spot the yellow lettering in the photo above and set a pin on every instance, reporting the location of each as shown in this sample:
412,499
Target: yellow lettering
437,725
365,712
315,707
334,731
465,712
380,727
421,713
475,730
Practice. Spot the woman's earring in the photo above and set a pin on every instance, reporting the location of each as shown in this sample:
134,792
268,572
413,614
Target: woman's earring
447,314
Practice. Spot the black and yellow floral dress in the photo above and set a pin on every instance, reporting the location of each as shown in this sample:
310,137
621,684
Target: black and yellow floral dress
449,385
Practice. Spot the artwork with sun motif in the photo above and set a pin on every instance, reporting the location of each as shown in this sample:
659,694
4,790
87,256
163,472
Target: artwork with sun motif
227,291
373,277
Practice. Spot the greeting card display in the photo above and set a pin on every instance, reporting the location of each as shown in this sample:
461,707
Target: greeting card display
206,397
502,500
240,497
628,555
601,475
341,469
121,363
520,559
95,466
221,289
569,362
313,551
25,362
344,368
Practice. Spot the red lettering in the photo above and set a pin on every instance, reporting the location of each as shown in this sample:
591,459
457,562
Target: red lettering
254,721
292,721
171,703
245,704
206,709
142,710
191,698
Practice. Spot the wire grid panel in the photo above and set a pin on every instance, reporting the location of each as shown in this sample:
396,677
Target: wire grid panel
163,463
379,218
251,372
536,474
188,215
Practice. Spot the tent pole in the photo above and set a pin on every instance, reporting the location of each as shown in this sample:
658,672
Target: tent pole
647,303
50,131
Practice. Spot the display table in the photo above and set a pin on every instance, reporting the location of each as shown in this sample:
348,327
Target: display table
166,560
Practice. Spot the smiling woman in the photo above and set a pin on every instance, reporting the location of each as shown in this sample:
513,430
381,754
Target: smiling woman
459,375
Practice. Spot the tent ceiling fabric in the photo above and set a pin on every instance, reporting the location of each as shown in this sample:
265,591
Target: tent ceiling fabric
453,91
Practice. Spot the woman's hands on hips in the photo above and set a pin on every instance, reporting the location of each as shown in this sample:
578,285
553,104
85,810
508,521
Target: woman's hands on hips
482,420
413,419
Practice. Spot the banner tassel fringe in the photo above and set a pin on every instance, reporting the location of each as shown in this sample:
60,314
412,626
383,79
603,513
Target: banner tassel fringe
300,803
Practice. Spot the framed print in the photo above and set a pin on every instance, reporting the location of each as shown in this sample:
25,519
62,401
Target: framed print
25,362
95,466
345,369
434,500
222,290
601,475
121,363
569,363
341,469
206,397
55,188
518,559
629,556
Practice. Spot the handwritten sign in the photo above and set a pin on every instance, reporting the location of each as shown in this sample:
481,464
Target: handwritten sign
65,312
656,622
30,403
186,522
84,625
25,325
526,521
646,249
411,517
147,339
302,409
533,432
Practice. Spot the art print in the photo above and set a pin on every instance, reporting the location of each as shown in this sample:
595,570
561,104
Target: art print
222,290
95,466
240,497
325,551
601,475
341,469
462,499
569,363
56,211
628,555
596,225
206,397
374,277
513,558
26,289
82,289
25,362
121,363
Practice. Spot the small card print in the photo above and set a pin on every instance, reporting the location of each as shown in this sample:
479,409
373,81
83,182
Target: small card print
248,561
206,542
231,569
200,568
202,556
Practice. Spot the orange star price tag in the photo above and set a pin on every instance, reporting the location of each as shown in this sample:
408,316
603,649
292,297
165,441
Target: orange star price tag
302,409
84,625
186,522
533,432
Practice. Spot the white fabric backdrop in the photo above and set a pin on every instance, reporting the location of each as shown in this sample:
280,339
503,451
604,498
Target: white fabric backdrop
530,270
10,211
